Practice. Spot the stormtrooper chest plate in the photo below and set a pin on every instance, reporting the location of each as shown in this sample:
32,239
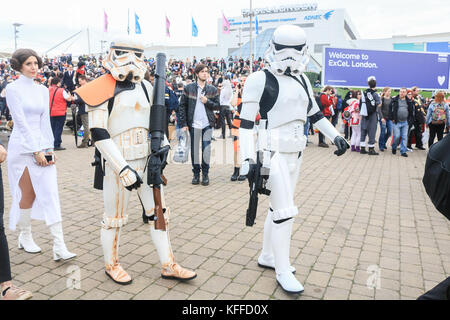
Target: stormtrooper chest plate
130,110
291,104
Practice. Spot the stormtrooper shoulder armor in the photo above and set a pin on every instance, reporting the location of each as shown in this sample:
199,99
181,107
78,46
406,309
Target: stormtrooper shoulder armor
254,87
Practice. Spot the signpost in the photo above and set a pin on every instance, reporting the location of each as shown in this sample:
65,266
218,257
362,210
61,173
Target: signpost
395,69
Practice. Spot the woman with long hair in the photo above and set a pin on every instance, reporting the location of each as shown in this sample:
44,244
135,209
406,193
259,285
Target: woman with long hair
438,117
31,159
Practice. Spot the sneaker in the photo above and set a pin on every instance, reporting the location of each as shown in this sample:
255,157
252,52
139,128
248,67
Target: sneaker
60,148
16,293
409,150
420,148
323,145
404,155
394,151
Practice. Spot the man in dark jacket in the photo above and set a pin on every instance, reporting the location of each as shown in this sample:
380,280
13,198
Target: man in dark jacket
401,112
419,119
197,105
67,80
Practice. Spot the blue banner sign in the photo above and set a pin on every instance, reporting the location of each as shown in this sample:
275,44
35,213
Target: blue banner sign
395,69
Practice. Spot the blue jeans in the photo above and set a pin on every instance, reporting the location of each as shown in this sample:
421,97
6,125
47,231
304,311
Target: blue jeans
205,136
385,133
306,127
400,131
57,124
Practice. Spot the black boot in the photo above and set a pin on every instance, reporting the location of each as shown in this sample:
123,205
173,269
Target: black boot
196,179
242,178
363,150
235,175
205,180
372,152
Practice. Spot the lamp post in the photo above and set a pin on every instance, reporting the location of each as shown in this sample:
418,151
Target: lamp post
16,25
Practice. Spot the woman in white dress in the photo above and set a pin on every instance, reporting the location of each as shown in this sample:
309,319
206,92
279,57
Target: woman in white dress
31,160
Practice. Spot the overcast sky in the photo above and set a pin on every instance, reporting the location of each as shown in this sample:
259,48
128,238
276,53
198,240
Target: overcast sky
48,22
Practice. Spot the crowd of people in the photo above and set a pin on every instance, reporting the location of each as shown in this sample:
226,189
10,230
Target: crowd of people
403,114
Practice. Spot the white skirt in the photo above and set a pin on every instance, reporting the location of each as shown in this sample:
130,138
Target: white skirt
46,206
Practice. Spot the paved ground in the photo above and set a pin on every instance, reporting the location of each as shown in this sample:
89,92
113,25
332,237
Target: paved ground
364,222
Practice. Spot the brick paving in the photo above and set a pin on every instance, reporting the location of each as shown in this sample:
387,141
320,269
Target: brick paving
362,220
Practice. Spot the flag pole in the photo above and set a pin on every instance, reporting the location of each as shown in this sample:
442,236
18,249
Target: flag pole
128,28
251,39
191,38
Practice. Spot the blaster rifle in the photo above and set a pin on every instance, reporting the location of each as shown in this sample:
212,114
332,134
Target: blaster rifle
158,156
257,181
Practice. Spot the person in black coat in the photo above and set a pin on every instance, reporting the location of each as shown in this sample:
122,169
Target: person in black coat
196,110
67,80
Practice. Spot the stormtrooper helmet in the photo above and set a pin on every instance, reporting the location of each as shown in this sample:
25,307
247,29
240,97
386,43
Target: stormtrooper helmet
287,51
125,60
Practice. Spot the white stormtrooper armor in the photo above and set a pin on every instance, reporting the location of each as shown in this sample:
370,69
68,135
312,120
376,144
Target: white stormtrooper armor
121,135
279,95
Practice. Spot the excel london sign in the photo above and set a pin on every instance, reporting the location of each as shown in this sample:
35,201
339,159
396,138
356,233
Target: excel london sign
281,9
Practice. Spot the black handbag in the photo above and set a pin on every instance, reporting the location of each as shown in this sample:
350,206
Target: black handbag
436,178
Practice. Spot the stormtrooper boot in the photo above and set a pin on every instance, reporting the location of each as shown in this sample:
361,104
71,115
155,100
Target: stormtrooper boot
26,241
170,269
110,244
59,247
266,258
281,241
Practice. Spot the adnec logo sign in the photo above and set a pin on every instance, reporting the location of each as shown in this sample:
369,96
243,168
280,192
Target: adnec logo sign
326,16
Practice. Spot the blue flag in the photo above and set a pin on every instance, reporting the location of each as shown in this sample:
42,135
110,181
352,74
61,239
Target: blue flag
194,29
137,27
257,25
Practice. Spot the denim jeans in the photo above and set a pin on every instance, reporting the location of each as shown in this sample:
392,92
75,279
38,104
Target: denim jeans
306,127
205,136
385,133
5,268
400,131
57,124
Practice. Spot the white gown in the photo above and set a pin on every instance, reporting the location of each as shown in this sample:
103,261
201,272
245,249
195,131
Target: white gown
28,104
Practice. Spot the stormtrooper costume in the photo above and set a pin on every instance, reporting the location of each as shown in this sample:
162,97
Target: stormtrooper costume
120,129
284,99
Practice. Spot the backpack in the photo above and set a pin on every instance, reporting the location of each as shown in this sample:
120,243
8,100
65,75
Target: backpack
370,102
438,115
319,103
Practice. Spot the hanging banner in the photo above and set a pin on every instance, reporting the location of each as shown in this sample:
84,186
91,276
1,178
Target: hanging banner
395,69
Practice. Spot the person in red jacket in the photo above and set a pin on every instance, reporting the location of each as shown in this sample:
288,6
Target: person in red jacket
326,103
58,107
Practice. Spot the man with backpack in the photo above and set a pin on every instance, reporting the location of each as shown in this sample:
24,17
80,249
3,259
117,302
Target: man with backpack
372,101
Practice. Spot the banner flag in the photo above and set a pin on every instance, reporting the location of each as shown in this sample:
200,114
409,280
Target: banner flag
167,27
105,24
225,24
194,29
137,27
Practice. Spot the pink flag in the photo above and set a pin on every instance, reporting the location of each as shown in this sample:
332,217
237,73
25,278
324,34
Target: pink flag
105,26
167,27
225,25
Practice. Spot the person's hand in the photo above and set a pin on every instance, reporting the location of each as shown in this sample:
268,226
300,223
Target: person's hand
342,146
40,159
3,153
185,128
203,99
130,178
383,120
